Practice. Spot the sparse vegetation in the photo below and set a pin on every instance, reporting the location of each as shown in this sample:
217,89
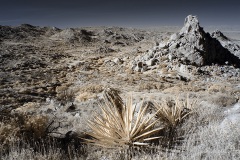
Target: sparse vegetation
124,126
118,125
150,86
85,96
53,104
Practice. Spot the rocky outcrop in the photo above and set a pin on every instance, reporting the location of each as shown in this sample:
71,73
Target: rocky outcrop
191,46
198,47
227,43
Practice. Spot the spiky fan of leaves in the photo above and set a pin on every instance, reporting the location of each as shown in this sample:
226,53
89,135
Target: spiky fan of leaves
174,115
118,127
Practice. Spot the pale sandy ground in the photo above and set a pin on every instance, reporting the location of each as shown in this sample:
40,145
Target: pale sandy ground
86,70
76,74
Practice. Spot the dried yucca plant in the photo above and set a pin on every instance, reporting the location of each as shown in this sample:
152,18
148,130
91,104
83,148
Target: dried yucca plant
173,114
118,126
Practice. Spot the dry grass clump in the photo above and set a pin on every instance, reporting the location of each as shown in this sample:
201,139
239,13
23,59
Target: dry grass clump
8,134
222,100
23,151
163,71
210,142
69,94
21,128
150,85
133,153
29,137
65,94
205,138
219,87
118,126
92,88
4,112
36,125
85,96
193,86
89,91
24,126
47,149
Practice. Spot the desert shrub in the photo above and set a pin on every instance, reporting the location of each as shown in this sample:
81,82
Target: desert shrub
22,126
92,88
219,87
4,112
119,126
172,114
150,85
89,91
8,134
36,125
85,96
31,136
65,93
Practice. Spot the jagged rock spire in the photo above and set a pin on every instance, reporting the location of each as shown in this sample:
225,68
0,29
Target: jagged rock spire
198,47
191,25
192,46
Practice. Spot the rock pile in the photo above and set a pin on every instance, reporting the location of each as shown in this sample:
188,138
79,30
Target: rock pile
191,46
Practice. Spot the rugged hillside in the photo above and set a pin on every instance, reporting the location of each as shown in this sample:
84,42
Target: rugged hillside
52,81
36,60
44,62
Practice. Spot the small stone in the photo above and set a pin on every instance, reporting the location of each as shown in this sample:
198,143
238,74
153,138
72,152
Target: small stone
163,45
150,62
117,61
174,37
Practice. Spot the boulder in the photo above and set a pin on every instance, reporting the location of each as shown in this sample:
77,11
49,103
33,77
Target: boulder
232,119
151,62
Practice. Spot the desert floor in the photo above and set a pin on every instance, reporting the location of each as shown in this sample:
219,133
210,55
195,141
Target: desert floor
61,75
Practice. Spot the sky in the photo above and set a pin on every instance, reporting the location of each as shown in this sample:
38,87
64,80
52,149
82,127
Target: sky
126,13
